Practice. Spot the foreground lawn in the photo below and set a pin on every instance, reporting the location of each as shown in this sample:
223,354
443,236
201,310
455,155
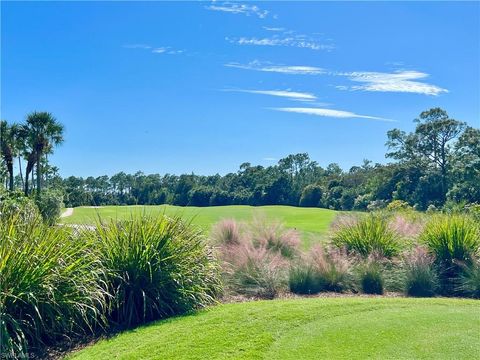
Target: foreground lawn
311,221
332,328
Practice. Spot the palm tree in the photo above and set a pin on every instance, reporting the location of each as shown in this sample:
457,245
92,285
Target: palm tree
8,147
42,133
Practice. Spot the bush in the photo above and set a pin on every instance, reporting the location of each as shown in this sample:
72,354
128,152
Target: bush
421,277
156,267
49,286
370,276
50,204
321,271
454,240
399,205
366,235
16,204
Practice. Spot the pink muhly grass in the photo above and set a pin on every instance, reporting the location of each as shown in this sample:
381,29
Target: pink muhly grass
254,271
227,232
406,228
274,236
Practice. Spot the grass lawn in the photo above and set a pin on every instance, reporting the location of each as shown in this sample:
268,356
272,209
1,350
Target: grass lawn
315,328
310,221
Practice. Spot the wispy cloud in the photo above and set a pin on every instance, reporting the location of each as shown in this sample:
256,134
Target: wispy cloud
137,46
329,113
273,28
284,37
284,69
299,41
270,159
398,81
156,50
166,50
235,8
405,81
293,95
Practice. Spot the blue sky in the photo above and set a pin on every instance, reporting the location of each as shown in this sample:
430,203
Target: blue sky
204,86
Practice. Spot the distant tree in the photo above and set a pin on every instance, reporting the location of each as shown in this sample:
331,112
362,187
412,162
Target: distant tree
311,196
429,146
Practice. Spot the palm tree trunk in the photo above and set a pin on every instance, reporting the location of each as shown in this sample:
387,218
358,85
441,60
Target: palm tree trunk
39,175
20,167
28,170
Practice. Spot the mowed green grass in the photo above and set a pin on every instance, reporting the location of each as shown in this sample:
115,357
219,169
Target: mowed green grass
315,328
312,222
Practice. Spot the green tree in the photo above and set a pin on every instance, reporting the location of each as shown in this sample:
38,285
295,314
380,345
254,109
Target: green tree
429,146
8,149
42,132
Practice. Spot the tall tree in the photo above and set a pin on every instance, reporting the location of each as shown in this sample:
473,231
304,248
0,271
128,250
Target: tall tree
429,146
42,132
9,148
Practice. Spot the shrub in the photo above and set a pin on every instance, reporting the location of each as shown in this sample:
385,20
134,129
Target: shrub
370,276
156,267
273,236
49,286
399,205
254,271
454,240
321,271
16,204
421,277
226,232
368,234
50,204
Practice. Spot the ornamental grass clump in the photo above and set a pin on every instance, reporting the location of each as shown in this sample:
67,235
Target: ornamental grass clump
367,235
455,241
370,275
156,267
227,232
421,278
50,286
469,282
273,236
255,271
321,270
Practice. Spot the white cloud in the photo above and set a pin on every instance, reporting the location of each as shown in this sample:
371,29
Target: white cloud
299,41
398,81
284,69
155,50
293,95
137,46
273,28
329,113
270,159
160,50
234,8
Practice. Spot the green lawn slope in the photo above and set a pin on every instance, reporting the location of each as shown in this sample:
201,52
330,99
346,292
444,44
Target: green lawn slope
315,328
310,221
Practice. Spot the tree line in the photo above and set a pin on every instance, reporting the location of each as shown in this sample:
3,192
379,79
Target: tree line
438,162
